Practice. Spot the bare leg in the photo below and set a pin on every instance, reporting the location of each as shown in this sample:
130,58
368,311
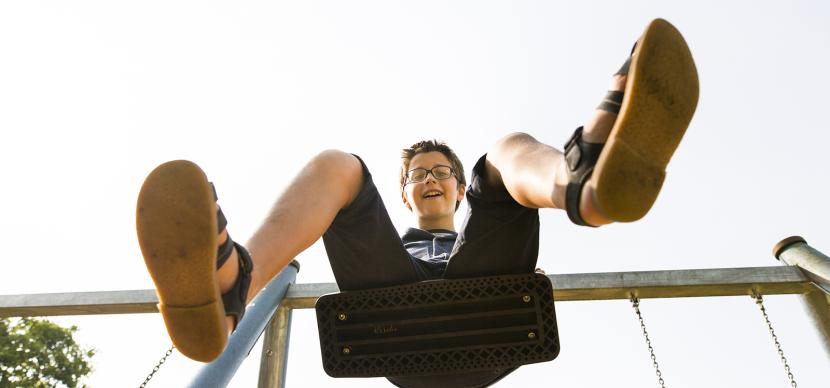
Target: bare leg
535,173
333,179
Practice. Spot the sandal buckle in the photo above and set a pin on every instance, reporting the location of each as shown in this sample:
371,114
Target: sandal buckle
573,151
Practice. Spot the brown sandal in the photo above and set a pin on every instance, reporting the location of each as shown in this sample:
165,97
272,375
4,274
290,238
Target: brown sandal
177,223
658,103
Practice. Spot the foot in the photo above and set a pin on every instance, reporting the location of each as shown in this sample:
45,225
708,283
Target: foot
177,232
597,130
620,180
177,227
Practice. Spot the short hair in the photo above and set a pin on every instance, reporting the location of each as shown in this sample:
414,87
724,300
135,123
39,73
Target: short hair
425,146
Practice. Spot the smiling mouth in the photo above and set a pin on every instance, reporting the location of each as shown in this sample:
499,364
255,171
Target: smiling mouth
432,194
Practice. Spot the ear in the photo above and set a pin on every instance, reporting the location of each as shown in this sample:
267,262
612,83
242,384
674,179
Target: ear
405,201
461,191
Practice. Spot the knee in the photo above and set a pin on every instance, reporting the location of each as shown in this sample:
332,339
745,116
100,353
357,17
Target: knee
334,161
336,165
509,144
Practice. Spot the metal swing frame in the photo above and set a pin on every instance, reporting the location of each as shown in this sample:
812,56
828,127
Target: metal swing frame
806,271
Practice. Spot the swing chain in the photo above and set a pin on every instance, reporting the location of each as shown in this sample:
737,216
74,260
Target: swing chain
635,302
156,368
759,300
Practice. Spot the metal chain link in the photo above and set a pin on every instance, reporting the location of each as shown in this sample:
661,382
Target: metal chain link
635,302
759,300
156,368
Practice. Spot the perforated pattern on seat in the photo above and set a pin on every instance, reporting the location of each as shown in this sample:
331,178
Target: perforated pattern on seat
438,327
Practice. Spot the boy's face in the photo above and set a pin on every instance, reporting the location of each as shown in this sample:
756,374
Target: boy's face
432,199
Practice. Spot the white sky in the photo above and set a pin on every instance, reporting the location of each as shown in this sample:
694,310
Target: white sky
94,94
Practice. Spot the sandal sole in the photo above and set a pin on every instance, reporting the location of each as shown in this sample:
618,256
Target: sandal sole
176,224
660,99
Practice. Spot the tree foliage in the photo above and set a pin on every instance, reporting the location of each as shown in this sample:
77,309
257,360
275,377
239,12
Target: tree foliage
39,353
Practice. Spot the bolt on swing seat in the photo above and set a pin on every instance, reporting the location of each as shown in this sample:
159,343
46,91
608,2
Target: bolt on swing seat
438,327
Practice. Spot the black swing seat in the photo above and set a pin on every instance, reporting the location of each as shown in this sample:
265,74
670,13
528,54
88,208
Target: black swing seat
438,327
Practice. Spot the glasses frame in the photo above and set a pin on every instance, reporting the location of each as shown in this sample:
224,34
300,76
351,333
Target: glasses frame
428,173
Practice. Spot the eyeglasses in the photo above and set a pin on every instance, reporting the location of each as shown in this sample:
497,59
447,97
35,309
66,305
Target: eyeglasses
418,175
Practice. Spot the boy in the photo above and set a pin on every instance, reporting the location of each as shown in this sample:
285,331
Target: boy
611,171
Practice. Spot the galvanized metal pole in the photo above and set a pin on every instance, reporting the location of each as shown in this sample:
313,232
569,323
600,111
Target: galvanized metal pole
219,372
795,251
273,365
686,283
816,266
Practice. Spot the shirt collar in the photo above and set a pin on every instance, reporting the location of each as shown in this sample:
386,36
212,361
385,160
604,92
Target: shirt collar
414,234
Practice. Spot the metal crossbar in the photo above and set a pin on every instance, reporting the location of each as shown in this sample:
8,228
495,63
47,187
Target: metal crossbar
567,287
807,273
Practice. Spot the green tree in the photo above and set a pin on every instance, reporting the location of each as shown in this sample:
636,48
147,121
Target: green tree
39,353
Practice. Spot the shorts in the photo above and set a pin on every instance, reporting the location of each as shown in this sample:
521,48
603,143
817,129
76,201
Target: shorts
498,237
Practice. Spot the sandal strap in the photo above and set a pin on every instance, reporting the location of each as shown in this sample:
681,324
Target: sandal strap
236,297
234,300
580,157
624,69
224,252
221,221
612,102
